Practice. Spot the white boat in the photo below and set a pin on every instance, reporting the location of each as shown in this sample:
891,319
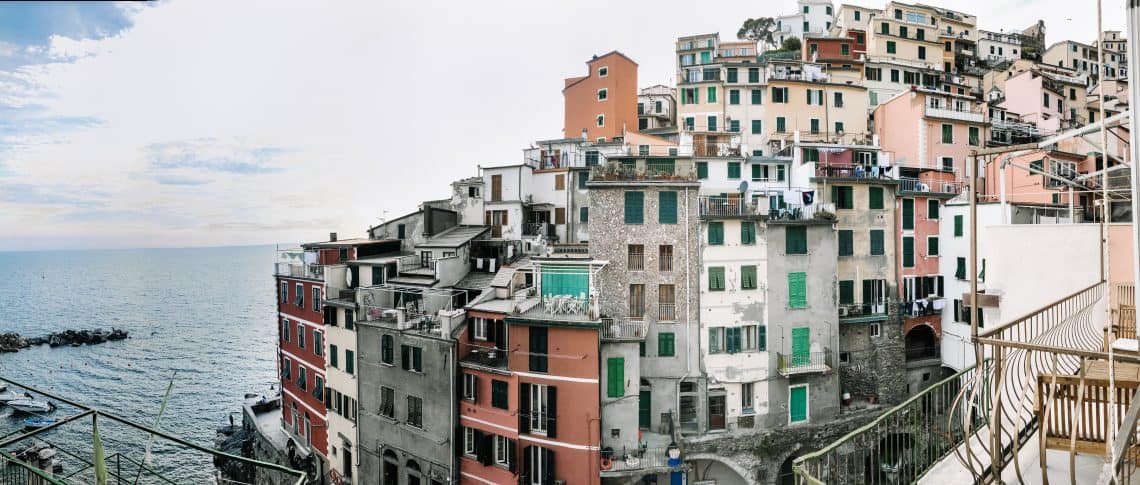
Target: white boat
7,396
31,405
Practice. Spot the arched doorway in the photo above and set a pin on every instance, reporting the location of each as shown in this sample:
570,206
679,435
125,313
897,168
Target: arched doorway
921,343
390,474
415,477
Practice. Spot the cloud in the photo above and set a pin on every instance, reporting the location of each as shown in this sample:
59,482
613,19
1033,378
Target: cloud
212,155
178,180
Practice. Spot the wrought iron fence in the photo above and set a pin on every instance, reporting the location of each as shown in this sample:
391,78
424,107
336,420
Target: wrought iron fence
804,362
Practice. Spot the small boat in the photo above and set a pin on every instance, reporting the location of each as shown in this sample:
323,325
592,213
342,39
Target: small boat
8,396
38,422
31,405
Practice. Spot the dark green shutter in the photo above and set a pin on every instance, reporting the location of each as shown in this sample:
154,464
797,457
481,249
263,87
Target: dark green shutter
876,196
716,278
908,252
877,246
716,233
960,270
932,209
747,232
615,377
748,277
756,171
795,240
666,344
702,170
908,214
797,290
733,170
634,207
762,337
846,292
932,246
667,207
846,242
957,226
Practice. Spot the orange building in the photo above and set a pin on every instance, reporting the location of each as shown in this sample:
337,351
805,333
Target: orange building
603,103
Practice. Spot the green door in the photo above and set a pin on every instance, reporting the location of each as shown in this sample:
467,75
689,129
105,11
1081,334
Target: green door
797,404
801,346
643,411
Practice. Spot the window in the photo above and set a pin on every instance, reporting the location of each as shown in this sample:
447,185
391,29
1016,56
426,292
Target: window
731,75
666,303
702,170
349,319
603,94
920,34
908,214
716,278
857,16
415,412
666,344
734,96
753,74
948,164
300,336
846,242
667,207
302,382
284,292
921,51
795,240
537,349
316,299
734,126
560,182
387,350
299,302
894,75
757,127
890,47
815,125
875,329
711,120
932,209
797,290
333,357
603,71
932,246
712,94
412,358
665,257
469,442
875,196
757,96
846,292
747,232
716,340
349,362
637,301
781,124
903,31
734,170
960,268
843,196
877,242
318,342
591,158
539,404
601,120
635,257
779,95
748,277
1045,99
716,233
947,134
502,450
845,49
500,394
908,251
885,28
388,402
584,214
634,207
470,386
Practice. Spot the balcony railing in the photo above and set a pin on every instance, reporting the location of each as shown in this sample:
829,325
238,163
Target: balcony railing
804,362
538,229
644,170
1123,470
667,312
862,310
800,212
919,308
412,263
716,206
641,460
618,329
915,185
954,114
311,271
716,149
923,353
850,172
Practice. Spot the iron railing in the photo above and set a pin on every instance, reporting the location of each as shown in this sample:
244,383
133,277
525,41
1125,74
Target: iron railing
804,362
310,271
897,447
851,172
715,149
915,185
666,312
618,329
801,212
639,460
851,310
923,353
718,206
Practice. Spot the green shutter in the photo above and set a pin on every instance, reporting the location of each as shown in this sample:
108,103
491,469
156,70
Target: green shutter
801,346
781,124
795,240
947,133
644,411
846,292
932,246
932,209
634,207
667,207
846,242
797,290
877,247
567,279
748,277
908,252
960,270
716,233
332,356
908,214
615,377
702,170
666,344
757,127
798,404
712,94
349,362
747,232
716,278
762,337
957,226
756,174
757,96
876,196
584,214
733,170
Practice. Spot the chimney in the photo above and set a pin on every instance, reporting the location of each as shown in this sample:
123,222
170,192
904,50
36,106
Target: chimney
332,237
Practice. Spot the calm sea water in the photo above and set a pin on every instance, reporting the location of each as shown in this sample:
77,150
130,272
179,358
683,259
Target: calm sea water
206,314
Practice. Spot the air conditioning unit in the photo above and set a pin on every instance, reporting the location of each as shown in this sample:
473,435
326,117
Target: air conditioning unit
843,311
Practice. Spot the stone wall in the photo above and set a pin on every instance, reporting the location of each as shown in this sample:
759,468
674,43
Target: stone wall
876,368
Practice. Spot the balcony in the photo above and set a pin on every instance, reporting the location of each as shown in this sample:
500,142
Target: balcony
954,114
563,308
534,229
638,462
799,363
416,265
485,358
644,169
851,172
310,271
920,308
862,312
939,188
716,206
927,355
623,329
715,149
427,310
802,213
666,312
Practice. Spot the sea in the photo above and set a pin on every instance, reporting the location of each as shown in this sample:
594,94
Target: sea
202,317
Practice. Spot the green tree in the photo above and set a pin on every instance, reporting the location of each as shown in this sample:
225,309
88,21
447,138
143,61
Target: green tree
758,30
791,44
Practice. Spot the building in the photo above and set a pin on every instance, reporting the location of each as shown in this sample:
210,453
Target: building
1052,101
998,47
407,388
908,33
925,131
657,110
811,17
602,104
1082,58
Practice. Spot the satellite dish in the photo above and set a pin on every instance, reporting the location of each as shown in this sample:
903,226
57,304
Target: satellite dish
348,278
743,186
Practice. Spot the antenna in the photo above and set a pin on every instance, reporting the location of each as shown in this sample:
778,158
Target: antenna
743,186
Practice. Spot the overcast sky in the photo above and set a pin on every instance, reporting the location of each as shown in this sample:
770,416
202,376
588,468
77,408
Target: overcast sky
191,123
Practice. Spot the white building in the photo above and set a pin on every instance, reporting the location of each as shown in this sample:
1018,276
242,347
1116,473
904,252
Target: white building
811,17
999,46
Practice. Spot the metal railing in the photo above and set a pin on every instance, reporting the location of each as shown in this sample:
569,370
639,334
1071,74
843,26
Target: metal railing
954,114
617,329
310,271
643,170
801,212
715,149
804,362
717,206
641,459
924,352
915,185
666,312
897,447
535,228
413,262
918,308
851,172
852,310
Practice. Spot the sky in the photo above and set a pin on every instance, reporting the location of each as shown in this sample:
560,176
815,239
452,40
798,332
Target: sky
200,122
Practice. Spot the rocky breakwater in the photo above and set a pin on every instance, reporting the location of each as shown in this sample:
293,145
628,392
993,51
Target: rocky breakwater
13,342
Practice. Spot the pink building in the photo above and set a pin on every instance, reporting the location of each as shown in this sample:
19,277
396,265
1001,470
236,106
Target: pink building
1051,101
1025,186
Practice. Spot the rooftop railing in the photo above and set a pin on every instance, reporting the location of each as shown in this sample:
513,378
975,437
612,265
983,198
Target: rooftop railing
801,212
914,185
954,114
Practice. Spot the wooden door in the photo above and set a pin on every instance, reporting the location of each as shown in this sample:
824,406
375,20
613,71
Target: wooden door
496,188
716,412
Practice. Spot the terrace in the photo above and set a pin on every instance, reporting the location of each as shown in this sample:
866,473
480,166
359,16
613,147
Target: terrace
644,169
